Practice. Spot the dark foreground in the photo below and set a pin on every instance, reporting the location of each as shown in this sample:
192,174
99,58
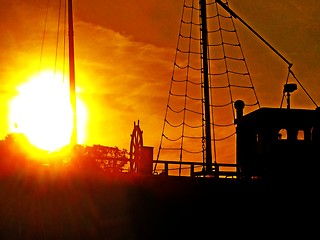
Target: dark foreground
48,204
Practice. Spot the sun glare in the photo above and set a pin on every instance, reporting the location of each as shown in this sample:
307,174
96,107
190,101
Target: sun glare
42,111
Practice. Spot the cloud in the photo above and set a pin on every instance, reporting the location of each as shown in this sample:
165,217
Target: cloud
122,76
151,21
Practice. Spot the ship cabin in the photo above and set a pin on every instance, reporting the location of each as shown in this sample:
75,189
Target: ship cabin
277,143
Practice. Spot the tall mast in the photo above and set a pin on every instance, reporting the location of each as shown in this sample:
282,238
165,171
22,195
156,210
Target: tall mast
73,140
204,33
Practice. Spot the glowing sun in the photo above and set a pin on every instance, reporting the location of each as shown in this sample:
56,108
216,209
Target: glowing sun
42,111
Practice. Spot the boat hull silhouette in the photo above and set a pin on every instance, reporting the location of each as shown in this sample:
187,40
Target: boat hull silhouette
51,205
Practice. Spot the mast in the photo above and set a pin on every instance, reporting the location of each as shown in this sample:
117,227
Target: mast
73,140
204,33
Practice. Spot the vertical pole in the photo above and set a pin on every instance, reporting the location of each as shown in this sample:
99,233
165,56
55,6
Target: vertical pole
288,100
73,140
204,36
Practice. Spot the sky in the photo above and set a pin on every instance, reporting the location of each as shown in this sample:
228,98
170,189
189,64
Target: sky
124,54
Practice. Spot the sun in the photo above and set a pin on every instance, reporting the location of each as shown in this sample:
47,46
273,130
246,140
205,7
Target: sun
43,113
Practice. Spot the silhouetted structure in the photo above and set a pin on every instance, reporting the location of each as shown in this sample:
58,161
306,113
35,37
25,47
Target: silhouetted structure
204,124
277,143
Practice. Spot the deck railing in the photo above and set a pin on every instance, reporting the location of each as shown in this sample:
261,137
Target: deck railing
176,168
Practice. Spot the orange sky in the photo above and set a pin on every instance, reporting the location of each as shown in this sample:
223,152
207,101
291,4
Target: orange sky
125,50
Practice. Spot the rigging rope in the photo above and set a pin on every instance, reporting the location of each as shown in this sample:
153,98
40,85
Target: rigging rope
57,37
64,41
287,79
303,88
43,36
233,14
229,78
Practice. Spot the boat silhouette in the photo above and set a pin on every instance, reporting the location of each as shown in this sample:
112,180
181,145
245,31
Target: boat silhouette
271,189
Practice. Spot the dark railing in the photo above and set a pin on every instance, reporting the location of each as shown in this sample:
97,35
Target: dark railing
220,170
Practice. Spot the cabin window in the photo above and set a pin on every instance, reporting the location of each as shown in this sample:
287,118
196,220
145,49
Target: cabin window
300,135
282,134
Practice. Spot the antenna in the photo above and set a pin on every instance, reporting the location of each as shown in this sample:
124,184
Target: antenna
287,89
